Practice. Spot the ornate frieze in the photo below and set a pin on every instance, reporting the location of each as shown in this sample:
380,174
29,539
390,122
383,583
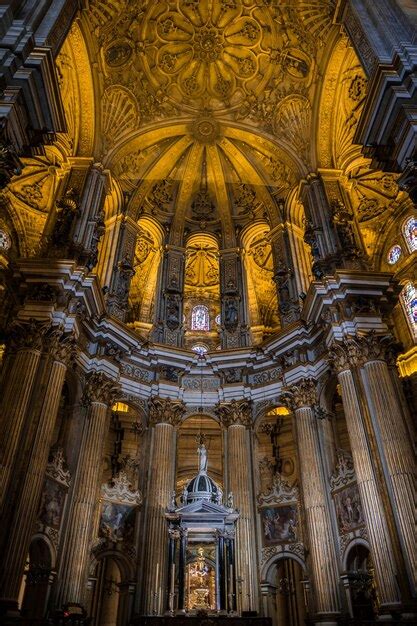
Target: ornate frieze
206,383
99,389
165,411
236,412
273,375
137,373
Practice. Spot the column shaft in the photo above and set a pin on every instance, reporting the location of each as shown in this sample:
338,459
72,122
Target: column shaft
239,485
14,403
76,553
374,513
27,505
323,558
395,448
160,488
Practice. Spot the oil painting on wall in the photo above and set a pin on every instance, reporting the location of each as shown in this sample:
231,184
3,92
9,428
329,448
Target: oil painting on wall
52,504
117,521
279,524
348,509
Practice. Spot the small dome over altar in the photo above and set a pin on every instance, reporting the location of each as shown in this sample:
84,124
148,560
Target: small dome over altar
202,487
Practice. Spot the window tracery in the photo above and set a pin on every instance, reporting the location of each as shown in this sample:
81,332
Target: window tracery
394,254
200,348
5,240
409,303
200,318
410,233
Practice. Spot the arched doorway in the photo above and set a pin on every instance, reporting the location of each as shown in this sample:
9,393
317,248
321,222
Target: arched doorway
111,590
284,592
360,582
290,604
38,579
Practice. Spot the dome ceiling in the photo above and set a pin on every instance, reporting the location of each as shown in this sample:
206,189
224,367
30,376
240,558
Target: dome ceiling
209,97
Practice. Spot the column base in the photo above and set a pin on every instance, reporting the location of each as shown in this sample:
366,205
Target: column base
327,619
9,608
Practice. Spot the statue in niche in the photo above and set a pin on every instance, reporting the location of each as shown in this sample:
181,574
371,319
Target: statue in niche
344,229
66,212
173,311
231,316
126,272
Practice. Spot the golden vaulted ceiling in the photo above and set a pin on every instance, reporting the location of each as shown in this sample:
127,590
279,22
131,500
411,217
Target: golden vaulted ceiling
206,106
206,113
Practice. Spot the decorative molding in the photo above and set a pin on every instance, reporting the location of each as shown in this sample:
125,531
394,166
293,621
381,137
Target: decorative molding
137,373
119,489
57,467
344,472
296,548
279,492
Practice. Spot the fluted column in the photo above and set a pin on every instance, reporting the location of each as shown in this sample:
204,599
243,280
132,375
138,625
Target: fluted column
61,348
165,416
393,442
99,393
371,499
26,340
302,398
236,416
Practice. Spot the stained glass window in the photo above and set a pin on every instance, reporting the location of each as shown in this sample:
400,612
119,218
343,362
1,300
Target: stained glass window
200,318
410,233
409,302
5,241
394,254
200,348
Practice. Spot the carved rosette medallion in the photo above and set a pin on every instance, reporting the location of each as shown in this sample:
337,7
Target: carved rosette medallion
100,389
207,53
165,411
235,413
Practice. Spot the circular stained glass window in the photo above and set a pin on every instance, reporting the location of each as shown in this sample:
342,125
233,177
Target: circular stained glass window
5,241
394,254
200,348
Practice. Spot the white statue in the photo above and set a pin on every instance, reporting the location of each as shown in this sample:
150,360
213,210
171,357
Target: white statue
202,457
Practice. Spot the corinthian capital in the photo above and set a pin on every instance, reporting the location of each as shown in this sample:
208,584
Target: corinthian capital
99,388
28,334
356,350
236,412
61,346
302,394
165,411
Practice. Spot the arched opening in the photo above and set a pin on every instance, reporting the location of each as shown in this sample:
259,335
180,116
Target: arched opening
110,600
146,264
202,291
38,580
284,592
360,582
187,458
261,289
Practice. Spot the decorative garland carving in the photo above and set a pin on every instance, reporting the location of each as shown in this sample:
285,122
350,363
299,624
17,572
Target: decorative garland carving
119,489
57,467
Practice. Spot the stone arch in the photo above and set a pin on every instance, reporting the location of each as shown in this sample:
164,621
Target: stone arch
267,569
356,541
